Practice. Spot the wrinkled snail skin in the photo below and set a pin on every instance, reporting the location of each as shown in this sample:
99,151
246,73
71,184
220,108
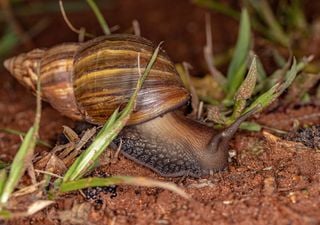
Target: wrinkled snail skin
88,81
174,145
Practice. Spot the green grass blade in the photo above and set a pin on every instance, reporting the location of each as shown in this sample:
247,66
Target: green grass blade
5,214
18,166
110,130
275,31
273,93
50,7
138,181
3,165
236,70
25,153
245,90
3,178
8,41
99,16
86,159
250,126
23,134
219,7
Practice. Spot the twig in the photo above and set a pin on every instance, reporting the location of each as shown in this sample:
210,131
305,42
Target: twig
48,173
31,173
200,110
116,155
136,27
69,24
194,96
82,34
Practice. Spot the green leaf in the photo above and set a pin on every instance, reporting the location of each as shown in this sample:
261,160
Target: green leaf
273,93
236,70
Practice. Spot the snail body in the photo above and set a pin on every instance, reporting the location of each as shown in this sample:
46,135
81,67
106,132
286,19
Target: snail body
88,81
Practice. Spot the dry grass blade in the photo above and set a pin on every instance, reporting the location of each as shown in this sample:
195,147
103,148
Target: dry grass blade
136,28
78,31
29,189
37,206
138,181
194,97
32,209
208,54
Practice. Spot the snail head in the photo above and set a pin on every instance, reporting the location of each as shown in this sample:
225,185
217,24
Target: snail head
217,154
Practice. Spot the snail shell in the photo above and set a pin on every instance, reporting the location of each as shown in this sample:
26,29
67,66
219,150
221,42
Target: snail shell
89,81
106,73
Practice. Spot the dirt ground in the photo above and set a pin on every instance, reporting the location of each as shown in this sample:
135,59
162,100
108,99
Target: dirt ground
269,181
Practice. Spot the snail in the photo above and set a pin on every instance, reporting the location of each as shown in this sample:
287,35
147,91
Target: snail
88,81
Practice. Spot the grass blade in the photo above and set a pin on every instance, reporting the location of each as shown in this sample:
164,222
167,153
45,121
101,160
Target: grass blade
99,16
86,159
236,70
18,168
24,154
8,40
139,181
5,214
273,93
3,178
23,134
245,90
219,7
275,31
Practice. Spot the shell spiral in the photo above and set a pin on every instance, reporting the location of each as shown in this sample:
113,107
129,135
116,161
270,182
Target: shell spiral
106,73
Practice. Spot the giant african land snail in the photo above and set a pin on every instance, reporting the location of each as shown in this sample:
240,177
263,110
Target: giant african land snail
88,81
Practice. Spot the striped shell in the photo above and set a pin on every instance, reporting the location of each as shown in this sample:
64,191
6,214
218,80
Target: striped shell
56,69
106,73
89,81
